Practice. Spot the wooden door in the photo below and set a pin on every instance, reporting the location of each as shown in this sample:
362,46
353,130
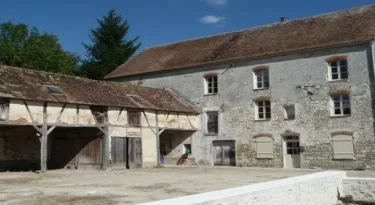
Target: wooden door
292,152
90,153
126,152
118,152
134,152
224,153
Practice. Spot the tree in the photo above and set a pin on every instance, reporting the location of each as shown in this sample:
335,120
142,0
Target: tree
109,48
27,48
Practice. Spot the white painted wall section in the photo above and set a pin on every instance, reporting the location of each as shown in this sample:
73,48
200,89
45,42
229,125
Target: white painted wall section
53,112
117,116
149,152
313,189
148,118
85,115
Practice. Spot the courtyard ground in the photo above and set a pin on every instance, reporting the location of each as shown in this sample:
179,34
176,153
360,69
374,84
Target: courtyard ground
127,186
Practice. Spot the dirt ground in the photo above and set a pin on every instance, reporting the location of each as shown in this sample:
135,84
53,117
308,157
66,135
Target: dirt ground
127,186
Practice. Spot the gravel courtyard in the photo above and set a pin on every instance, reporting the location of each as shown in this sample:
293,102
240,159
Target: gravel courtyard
128,186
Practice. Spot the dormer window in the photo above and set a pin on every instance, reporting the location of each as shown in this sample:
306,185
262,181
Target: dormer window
338,68
53,90
211,85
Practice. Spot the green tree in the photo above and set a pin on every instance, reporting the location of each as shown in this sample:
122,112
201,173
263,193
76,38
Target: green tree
110,48
27,48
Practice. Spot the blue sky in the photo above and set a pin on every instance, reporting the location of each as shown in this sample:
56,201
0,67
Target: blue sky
160,21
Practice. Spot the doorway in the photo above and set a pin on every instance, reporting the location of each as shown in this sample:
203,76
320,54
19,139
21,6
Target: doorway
224,153
292,157
126,152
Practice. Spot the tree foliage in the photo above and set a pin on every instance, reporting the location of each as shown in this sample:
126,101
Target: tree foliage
27,48
110,48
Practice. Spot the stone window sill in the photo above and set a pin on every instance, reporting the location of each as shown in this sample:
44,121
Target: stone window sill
211,94
211,134
340,80
262,120
259,89
351,159
339,116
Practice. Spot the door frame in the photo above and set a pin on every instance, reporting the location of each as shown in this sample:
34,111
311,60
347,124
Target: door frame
284,148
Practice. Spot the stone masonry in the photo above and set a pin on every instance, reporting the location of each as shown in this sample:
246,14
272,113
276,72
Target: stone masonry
295,79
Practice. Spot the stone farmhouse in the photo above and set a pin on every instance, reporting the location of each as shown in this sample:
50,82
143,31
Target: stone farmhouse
294,94
52,121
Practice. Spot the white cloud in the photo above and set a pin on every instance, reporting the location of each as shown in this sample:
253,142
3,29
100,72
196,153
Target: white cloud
217,2
210,19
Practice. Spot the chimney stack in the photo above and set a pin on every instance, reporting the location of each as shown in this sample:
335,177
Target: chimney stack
282,19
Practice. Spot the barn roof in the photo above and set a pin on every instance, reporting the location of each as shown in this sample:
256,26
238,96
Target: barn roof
332,29
18,83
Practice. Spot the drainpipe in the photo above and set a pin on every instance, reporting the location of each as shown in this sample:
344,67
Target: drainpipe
372,58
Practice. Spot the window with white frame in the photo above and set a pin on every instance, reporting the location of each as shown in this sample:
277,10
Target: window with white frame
211,86
264,147
343,147
212,122
263,110
340,105
338,70
261,79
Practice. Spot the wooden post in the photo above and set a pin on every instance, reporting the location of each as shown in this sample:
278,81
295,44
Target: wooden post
44,141
43,150
157,138
105,142
106,147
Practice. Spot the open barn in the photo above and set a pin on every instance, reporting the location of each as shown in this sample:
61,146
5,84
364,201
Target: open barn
53,121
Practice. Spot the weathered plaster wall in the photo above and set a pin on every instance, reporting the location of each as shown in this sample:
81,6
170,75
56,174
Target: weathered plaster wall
149,151
56,113
291,76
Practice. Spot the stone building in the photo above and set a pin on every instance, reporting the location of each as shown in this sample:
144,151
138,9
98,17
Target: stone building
53,121
292,94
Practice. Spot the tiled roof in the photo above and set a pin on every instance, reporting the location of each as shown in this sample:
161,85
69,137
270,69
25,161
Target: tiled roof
332,29
18,83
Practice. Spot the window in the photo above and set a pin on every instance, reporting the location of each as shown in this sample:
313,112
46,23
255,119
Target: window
134,117
343,147
264,147
211,84
340,105
212,122
263,110
290,112
53,90
338,70
187,148
261,79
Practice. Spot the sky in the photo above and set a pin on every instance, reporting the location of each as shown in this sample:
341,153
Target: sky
159,22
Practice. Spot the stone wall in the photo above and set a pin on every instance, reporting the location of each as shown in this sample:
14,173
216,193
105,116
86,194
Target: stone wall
313,189
297,79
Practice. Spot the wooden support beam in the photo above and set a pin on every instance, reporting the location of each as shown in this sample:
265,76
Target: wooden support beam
149,125
157,138
161,131
43,149
44,141
105,143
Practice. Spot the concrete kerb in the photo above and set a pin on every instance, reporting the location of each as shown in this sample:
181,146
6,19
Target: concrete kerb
320,186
